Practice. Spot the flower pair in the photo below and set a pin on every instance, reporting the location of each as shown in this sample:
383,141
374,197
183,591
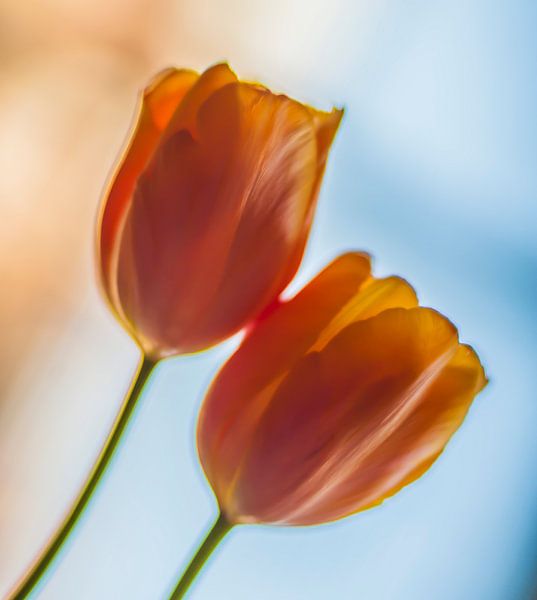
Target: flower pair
336,398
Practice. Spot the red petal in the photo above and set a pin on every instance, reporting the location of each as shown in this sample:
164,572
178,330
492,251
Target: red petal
160,99
197,267
239,393
337,410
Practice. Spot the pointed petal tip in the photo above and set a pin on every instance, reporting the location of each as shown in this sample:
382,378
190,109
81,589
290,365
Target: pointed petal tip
327,120
354,256
470,356
325,125
337,113
221,67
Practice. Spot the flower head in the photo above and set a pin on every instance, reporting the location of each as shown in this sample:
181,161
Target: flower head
207,217
334,401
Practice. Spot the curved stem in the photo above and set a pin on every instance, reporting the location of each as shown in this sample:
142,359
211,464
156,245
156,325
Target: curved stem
49,553
216,534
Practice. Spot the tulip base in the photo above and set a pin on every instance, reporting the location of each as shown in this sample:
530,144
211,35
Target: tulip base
216,534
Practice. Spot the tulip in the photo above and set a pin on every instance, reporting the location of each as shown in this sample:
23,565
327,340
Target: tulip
334,401
206,219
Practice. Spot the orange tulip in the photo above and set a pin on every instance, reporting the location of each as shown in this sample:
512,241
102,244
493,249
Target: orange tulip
206,219
335,400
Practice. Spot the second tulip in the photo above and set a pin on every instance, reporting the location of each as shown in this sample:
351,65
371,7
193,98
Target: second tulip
336,400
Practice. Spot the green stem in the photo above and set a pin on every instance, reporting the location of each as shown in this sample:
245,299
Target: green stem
49,553
216,534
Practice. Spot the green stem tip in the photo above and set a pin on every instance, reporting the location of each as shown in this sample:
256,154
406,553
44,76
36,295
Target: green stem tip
216,534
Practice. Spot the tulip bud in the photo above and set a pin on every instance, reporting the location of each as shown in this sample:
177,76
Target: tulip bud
334,401
206,220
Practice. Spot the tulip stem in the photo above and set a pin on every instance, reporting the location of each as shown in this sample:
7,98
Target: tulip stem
50,551
216,534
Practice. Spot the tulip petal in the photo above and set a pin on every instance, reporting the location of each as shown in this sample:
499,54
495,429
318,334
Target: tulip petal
326,125
165,93
342,293
240,391
276,148
211,80
374,297
413,447
160,100
337,410
198,210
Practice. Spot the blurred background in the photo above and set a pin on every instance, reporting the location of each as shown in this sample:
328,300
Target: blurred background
433,171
